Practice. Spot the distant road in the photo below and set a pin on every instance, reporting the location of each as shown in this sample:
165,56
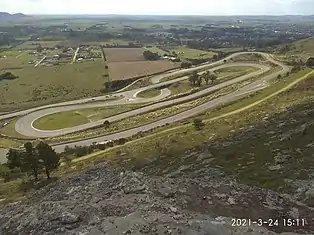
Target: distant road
25,127
75,55
36,65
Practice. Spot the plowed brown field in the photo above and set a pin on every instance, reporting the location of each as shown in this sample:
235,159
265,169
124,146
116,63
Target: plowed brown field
124,54
124,70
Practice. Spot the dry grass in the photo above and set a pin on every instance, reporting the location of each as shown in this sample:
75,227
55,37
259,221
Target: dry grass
124,54
124,70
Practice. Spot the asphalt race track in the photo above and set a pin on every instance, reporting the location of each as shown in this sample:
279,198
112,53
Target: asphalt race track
24,124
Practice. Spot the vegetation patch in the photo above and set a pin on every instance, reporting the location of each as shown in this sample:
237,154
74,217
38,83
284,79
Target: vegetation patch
60,121
149,93
156,50
79,117
9,143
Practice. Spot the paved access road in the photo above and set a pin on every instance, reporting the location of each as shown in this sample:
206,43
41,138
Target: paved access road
24,124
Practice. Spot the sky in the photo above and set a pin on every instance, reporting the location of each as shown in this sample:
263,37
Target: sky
160,7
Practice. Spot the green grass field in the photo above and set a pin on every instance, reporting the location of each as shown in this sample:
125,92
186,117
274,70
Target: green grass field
9,143
230,70
45,85
149,93
15,60
188,53
78,117
60,121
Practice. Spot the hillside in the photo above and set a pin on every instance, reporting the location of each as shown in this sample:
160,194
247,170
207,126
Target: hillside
303,48
193,192
114,201
8,16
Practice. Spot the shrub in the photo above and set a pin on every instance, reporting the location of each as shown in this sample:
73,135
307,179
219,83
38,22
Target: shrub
198,124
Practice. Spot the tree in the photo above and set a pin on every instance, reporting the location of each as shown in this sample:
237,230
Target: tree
296,68
288,74
39,48
199,80
310,62
279,76
186,65
106,124
148,55
30,162
14,159
206,77
49,158
193,78
213,77
198,123
7,76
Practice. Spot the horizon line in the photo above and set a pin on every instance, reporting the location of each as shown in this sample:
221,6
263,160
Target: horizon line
139,14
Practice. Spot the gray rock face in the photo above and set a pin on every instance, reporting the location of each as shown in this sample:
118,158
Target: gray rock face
112,201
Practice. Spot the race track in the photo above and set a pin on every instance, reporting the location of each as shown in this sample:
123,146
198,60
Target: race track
24,124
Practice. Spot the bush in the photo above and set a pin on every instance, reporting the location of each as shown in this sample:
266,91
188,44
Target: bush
310,62
198,124
7,76
148,55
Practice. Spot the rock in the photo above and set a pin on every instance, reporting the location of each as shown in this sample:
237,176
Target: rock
275,167
280,158
165,190
203,156
184,204
68,218
231,201
294,213
309,200
94,231
311,145
173,209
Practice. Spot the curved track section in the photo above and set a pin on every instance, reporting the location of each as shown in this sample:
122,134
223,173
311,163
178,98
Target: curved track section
25,127
25,124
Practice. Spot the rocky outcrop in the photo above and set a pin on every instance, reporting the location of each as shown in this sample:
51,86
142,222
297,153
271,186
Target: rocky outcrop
106,200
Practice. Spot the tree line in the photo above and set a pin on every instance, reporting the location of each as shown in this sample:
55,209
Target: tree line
34,160
196,79
148,55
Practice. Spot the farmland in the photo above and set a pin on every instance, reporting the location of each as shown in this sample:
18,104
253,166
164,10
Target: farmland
124,70
126,63
124,54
